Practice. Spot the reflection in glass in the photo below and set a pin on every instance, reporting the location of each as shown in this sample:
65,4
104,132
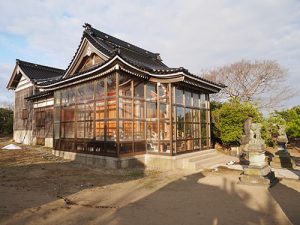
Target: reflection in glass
125,85
188,98
179,114
111,130
151,93
178,96
151,110
139,112
164,111
100,130
139,89
100,88
125,130
111,85
100,110
196,100
125,108
139,130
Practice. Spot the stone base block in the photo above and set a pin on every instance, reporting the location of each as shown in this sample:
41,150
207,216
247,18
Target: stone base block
282,160
258,176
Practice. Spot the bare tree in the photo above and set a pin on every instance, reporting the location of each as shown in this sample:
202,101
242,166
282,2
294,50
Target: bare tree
262,82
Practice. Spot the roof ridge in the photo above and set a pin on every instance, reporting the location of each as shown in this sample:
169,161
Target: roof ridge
111,39
38,65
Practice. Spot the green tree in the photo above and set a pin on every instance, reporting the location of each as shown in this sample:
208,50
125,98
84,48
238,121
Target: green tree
292,118
270,128
6,121
229,120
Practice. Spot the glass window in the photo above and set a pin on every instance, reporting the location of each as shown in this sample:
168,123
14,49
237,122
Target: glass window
163,92
68,130
203,131
196,144
139,109
188,115
196,130
81,93
100,110
151,93
90,91
179,114
151,109
196,116
164,111
178,96
152,130
203,116
196,100
68,113
80,112
80,129
89,109
189,130
89,129
111,133
100,88
111,85
112,109
125,108
188,98
189,145
180,131
139,130
125,85
164,130
125,130
139,89
180,146
100,130
203,100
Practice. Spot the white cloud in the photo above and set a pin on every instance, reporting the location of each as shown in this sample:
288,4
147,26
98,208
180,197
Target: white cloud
195,34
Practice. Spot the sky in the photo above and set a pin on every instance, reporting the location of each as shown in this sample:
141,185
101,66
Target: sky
196,34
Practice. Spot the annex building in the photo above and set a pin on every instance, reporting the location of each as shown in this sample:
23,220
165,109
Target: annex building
113,100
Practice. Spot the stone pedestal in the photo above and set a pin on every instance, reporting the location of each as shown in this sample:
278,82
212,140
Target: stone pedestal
258,172
282,159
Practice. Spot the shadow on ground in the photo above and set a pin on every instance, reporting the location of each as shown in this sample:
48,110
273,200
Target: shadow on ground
31,178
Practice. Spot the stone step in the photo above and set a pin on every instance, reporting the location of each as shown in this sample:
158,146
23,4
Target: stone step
203,156
208,163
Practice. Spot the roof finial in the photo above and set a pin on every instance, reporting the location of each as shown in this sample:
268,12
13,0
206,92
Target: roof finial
87,26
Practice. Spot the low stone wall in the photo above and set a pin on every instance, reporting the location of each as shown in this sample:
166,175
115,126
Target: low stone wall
23,136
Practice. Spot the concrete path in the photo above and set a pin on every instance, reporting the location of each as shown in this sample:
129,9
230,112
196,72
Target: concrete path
279,172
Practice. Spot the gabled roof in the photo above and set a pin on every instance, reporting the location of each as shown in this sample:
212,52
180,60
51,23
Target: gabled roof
109,45
34,72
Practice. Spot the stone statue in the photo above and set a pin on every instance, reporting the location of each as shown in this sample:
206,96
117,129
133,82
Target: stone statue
258,172
282,158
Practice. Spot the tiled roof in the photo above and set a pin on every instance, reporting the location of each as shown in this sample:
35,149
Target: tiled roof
38,72
40,95
127,50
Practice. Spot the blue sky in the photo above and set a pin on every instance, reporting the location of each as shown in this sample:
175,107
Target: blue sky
196,34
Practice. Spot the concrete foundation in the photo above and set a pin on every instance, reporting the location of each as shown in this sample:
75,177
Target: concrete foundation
23,136
49,142
157,162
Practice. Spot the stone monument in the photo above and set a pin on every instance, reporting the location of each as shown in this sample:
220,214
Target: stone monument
258,172
282,158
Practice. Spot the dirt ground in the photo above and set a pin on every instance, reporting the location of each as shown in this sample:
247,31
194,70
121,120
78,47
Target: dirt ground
38,188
